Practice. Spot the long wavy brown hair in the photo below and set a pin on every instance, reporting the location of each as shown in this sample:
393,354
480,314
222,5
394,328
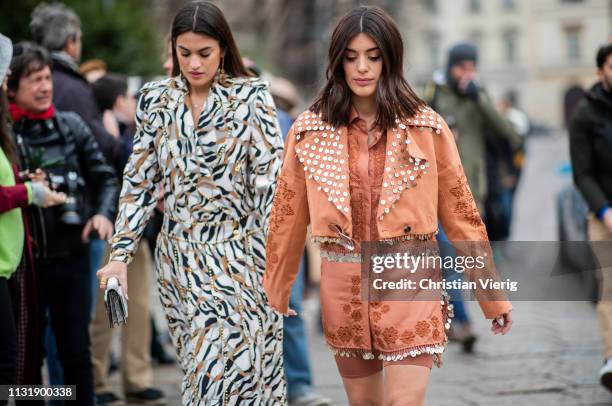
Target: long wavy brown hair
203,17
395,99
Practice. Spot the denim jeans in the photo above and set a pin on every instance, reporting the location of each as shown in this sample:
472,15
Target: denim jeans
456,297
295,347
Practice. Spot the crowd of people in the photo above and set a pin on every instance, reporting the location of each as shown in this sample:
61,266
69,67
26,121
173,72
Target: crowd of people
210,179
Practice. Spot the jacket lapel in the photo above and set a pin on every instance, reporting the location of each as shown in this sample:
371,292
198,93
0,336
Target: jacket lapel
323,151
405,163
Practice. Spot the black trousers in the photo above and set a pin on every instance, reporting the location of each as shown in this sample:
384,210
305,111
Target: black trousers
65,291
8,337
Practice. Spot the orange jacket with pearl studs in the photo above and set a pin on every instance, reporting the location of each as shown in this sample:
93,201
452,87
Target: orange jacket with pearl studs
423,184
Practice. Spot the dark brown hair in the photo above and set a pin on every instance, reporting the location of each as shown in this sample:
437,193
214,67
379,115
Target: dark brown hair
28,58
203,17
394,97
6,140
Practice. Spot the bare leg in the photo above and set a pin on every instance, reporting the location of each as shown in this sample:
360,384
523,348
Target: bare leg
405,385
367,391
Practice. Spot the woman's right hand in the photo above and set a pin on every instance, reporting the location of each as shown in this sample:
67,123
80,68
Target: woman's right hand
45,197
114,269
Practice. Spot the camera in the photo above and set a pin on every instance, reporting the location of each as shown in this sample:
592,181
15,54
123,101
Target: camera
69,184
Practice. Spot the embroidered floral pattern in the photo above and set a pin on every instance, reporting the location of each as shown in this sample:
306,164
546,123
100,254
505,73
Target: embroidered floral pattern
390,335
465,205
281,207
422,328
354,331
344,334
407,337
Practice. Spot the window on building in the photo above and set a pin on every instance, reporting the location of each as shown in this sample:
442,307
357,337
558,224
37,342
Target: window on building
572,41
509,5
475,37
432,41
474,6
431,6
509,39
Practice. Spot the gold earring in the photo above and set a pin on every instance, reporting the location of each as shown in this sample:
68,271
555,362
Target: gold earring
221,70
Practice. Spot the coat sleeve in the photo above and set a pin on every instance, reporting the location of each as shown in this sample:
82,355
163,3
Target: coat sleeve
289,219
581,153
265,155
12,197
498,124
462,223
77,96
98,171
139,192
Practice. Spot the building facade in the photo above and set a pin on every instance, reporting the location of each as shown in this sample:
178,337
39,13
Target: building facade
541,51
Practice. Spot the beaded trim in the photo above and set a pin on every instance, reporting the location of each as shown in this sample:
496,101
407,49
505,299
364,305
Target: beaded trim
340,257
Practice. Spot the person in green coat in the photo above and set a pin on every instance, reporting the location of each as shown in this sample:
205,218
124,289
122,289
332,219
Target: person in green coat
471,114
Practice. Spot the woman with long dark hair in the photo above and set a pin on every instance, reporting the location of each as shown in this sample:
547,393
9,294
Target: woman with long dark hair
209,135
370,162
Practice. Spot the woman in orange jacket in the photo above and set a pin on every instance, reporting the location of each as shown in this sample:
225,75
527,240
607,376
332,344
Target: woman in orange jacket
370,161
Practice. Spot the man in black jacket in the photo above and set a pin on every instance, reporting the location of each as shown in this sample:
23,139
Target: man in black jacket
591,154
62,144
58,28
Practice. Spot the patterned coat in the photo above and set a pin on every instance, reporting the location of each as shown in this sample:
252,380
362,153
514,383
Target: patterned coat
218,181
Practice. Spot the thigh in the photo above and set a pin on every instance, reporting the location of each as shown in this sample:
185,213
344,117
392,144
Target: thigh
405,384
362,379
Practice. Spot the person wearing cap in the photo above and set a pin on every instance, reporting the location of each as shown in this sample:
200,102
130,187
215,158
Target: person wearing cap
470,112
472,116
17,304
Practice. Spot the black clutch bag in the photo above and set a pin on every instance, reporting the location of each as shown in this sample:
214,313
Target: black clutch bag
116,303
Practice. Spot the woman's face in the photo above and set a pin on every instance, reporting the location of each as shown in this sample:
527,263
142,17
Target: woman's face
362,63
199,57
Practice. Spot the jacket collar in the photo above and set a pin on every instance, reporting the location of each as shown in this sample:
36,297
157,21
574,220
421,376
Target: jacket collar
62,61
597,95
323,151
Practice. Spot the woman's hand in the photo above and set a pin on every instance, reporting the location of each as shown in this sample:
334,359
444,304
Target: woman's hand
502,324
102,225
38,176
117,270
44,197
290,312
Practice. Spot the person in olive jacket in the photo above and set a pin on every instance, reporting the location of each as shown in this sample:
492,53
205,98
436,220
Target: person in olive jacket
591,154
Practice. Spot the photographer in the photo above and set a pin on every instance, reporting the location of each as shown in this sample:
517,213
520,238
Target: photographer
61,144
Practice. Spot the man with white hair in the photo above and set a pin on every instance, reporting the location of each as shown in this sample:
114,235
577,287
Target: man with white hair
58,28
